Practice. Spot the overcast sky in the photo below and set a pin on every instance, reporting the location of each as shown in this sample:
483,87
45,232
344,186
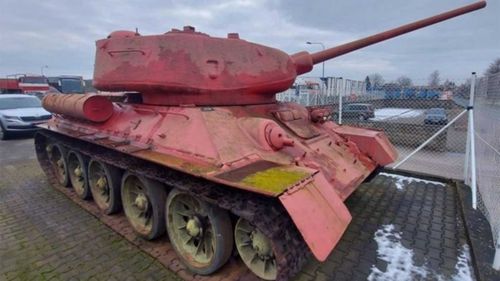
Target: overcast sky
61,33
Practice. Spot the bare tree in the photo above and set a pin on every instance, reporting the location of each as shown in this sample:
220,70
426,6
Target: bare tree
449,85
404,81
434,79
377,80
368,84
463,90
494,67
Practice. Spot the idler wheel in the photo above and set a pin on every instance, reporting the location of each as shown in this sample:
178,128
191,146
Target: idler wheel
77,170
255,250
143,200
104,183
200,233
55,153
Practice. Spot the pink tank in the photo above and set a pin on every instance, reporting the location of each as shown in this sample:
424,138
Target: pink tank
195,144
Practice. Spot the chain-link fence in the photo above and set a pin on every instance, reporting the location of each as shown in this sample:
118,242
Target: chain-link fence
409,115
432,120
487,140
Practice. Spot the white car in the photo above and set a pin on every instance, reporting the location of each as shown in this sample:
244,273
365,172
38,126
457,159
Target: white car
20,113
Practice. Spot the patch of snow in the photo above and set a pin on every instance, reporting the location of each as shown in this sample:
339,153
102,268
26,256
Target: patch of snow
464,270
399,259
389,113
400,264
401,181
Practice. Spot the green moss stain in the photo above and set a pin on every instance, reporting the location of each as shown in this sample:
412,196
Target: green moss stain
274,179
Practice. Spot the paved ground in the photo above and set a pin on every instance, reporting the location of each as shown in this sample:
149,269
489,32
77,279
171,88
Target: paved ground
402,229
446,164
422,226
43,235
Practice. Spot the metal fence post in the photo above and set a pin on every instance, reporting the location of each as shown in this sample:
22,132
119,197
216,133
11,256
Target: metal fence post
472,142
496,260
469,135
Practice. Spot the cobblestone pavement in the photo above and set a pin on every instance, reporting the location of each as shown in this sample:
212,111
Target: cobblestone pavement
45,236
426,239
414,225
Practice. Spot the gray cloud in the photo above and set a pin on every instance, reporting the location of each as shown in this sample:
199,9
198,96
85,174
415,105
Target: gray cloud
61,34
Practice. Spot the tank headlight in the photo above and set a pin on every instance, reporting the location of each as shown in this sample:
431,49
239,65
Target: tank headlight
276,137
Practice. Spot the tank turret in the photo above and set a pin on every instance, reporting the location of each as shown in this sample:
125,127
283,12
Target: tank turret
189,67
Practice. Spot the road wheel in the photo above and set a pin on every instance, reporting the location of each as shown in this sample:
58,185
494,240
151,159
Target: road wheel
143,201
256,250
361,117
58,162
200,233
77,169
104,183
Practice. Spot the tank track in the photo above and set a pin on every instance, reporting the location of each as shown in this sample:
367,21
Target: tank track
265,213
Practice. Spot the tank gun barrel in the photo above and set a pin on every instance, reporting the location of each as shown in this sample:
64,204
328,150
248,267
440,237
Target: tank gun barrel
302,59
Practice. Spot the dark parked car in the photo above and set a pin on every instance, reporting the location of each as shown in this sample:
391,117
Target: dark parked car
20,113
436,116
360,111
39,95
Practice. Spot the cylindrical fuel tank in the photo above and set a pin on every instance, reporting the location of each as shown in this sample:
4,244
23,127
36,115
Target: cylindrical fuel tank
91,107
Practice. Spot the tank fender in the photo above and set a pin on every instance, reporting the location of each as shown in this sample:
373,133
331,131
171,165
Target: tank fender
371,142
319,214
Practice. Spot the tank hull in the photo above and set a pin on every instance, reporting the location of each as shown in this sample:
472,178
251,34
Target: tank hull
274,150
291,254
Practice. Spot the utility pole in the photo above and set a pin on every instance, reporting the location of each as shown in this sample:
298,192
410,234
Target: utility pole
323,63
42,67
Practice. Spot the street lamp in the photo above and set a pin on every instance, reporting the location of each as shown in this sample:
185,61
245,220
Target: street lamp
42,67
323,46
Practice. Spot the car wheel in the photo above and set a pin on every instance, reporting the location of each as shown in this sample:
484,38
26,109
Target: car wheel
361,117
3,133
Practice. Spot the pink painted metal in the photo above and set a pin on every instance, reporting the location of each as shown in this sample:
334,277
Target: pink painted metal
319,214
208,109
322,159
89,107
189,67
369,142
